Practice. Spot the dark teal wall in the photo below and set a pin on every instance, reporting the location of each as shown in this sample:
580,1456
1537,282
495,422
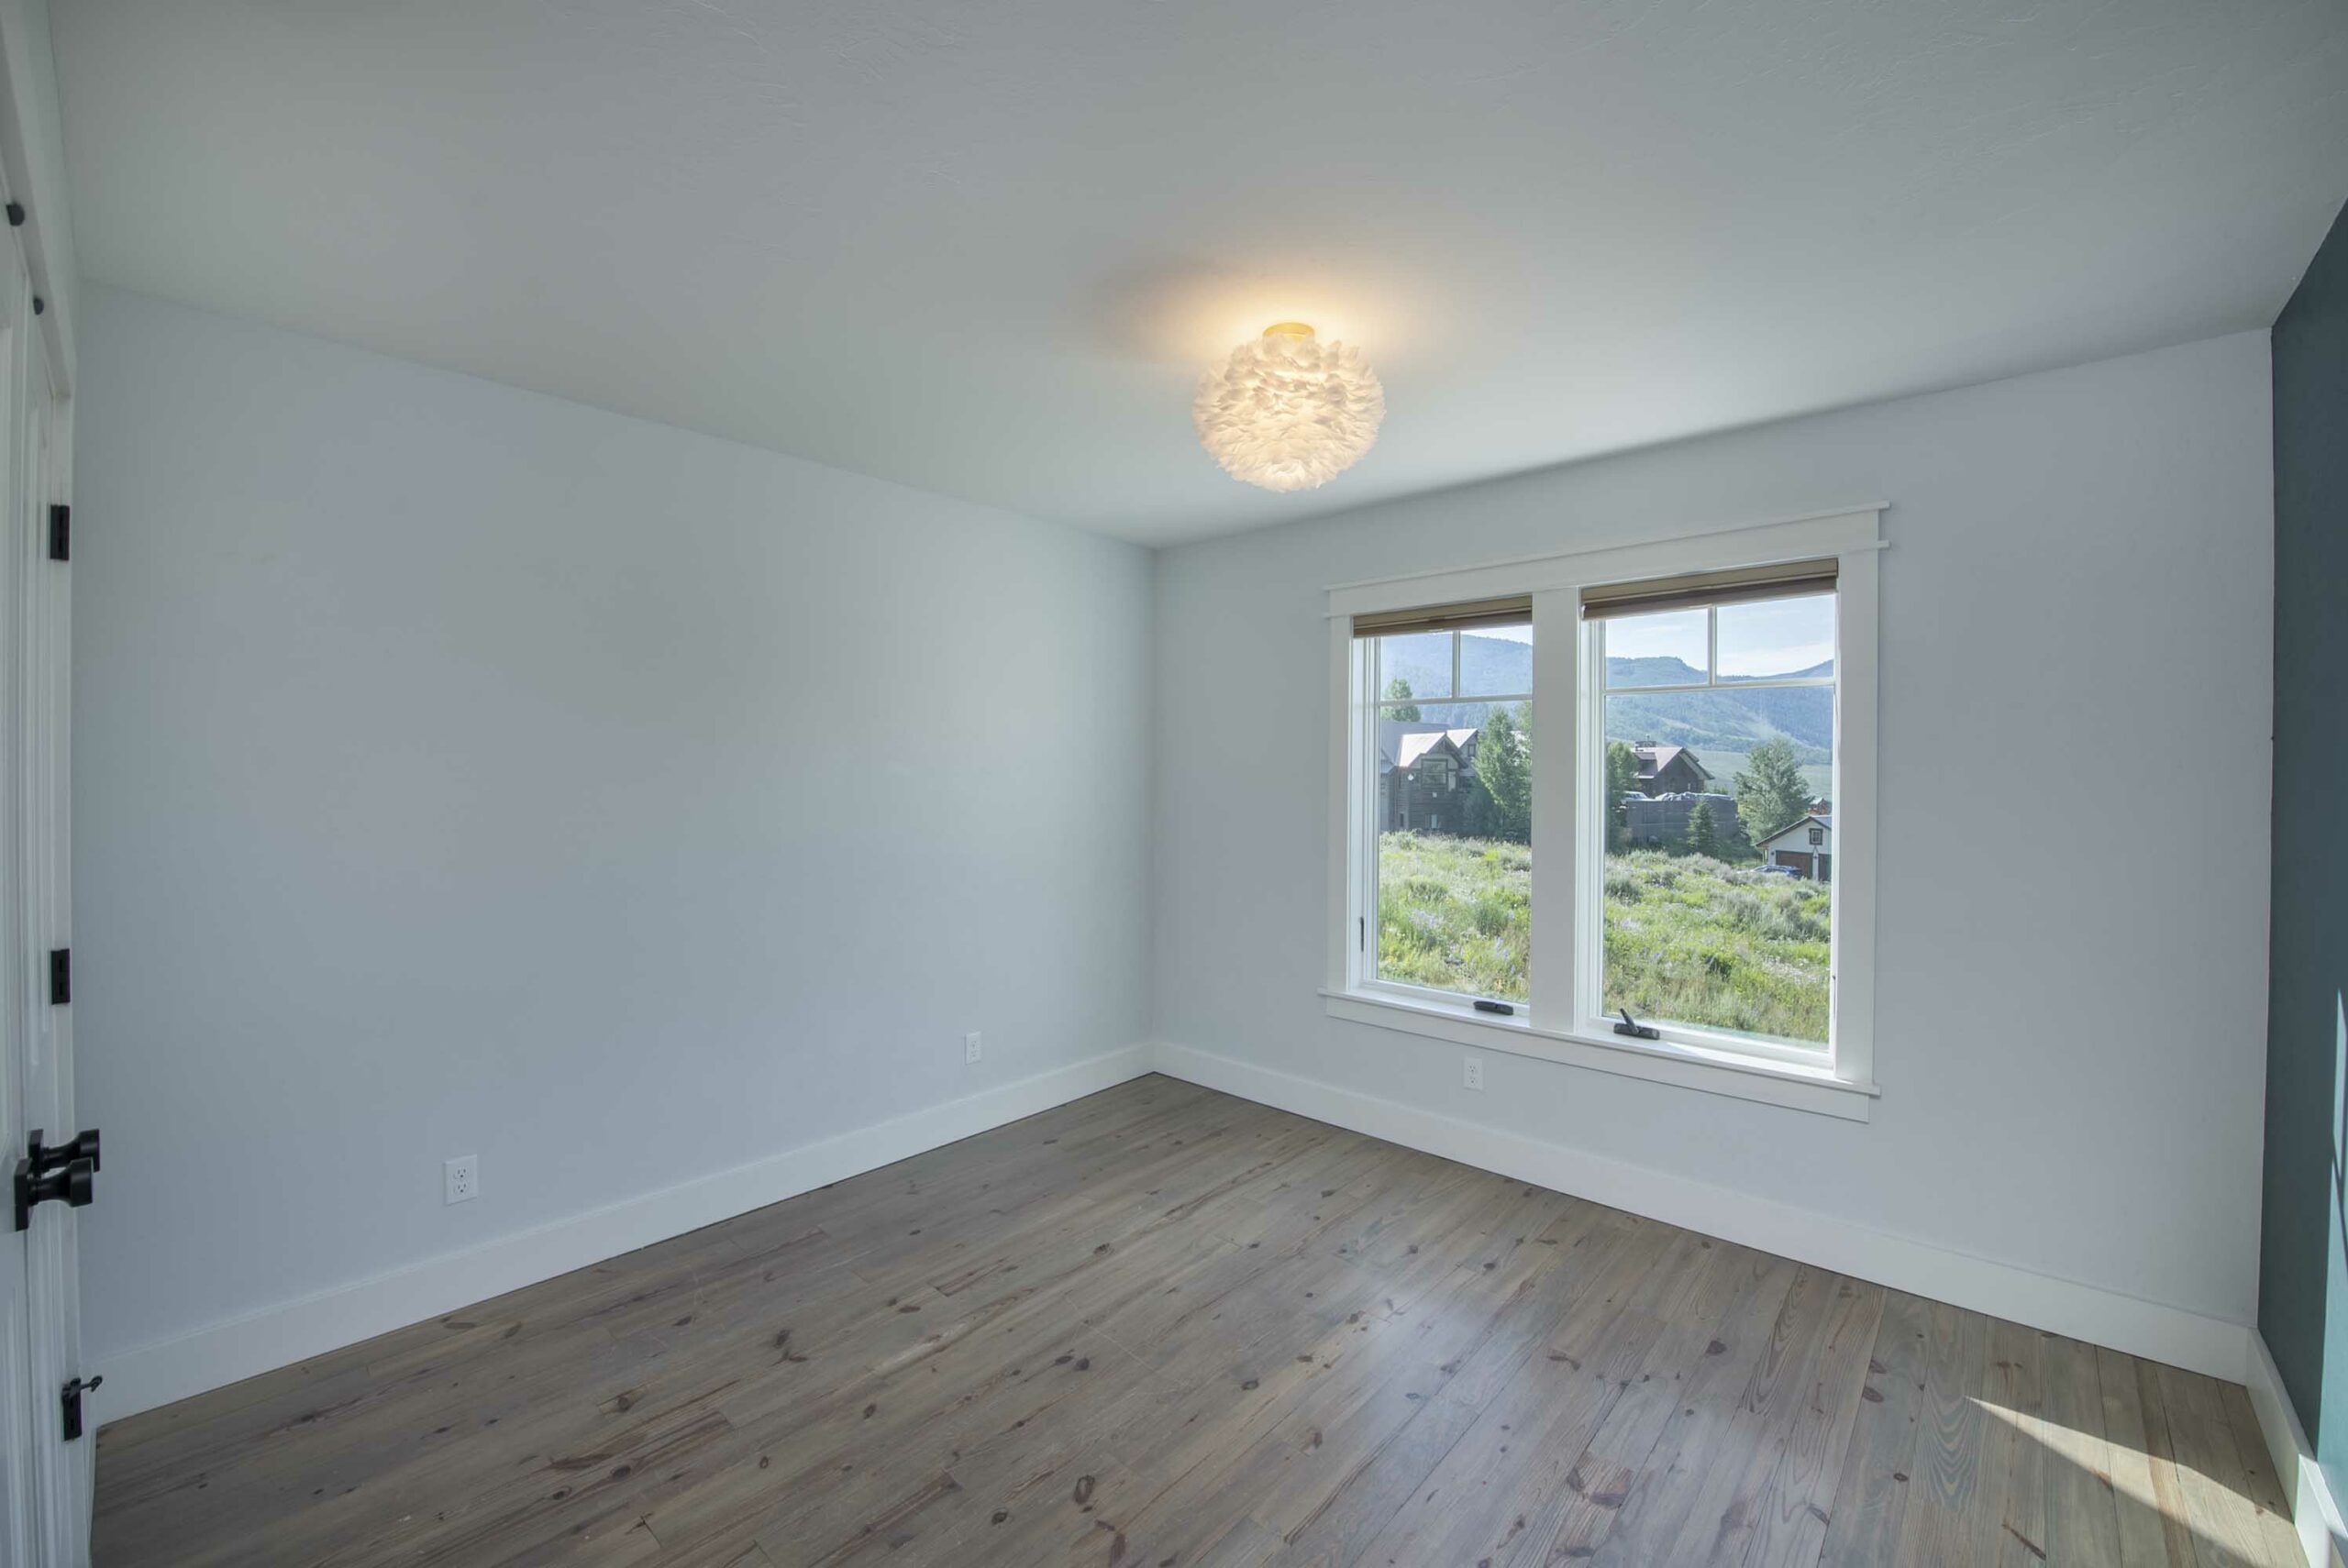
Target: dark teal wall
2303,1264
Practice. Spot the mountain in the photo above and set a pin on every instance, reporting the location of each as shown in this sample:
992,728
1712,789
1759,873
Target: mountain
1485,664
1723,721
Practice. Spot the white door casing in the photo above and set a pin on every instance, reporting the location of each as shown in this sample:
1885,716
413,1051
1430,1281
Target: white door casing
45,1480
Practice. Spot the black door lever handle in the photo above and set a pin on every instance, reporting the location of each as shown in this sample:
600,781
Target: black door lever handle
49,1157
72,1185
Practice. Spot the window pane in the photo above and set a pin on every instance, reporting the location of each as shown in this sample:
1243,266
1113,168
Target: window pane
1415,665
1716,903
1454,802
1496,661
1775,639
1668,649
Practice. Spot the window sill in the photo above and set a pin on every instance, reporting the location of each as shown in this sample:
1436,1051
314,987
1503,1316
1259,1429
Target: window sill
1772,1083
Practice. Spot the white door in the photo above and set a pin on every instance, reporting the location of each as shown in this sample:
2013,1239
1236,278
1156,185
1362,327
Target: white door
44,1477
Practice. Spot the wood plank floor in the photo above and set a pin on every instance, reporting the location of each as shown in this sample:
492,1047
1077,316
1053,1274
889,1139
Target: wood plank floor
1163,1326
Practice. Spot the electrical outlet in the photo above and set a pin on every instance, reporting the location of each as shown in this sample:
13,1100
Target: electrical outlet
974,1046
461,1179
1471,1072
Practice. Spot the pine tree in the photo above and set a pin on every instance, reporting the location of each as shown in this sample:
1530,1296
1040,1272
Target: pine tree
1771,791
1704,835
1504,775
1621,783
1408,712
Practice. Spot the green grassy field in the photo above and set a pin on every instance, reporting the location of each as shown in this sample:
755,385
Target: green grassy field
1455,913
1687,939
1694,941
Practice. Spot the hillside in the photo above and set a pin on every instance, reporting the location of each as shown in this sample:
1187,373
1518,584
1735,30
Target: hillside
1720,723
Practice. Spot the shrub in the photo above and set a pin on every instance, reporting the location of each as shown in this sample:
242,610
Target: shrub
1688,939
1455,913
1691,940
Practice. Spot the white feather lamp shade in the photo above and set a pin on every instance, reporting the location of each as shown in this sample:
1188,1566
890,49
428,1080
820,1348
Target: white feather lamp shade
1288,412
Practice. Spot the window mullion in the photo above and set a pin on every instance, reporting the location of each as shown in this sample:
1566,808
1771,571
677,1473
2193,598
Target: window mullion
1557,726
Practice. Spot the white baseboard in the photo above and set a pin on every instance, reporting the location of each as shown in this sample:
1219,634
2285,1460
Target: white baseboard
2314,1508
161,1371
2179,1337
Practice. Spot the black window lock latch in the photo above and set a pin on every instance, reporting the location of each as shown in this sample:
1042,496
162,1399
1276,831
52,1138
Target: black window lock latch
1484,1005
1636,1030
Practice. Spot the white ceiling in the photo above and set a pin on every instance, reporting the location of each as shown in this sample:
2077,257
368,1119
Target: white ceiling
984,246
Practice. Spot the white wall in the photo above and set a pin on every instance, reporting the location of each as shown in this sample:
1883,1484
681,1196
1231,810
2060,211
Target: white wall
2075,613
460,771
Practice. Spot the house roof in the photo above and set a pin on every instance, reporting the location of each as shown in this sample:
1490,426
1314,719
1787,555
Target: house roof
1402,741
1803,821
1654,759
1411,747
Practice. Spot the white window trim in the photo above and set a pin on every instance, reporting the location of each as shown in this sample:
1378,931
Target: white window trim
1845,1086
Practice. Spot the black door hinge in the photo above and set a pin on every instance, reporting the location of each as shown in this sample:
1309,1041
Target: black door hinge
70,1396
60,976
61,531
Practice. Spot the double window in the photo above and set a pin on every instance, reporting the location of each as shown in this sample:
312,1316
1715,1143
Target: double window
1585,809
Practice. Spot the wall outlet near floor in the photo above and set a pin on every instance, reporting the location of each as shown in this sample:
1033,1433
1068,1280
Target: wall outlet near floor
461,1179
973,1045
1471,1072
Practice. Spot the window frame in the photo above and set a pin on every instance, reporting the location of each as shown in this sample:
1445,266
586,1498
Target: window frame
1589,843
1551,1025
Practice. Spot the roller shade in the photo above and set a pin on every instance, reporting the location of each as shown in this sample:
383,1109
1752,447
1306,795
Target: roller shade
1511,611
1700,587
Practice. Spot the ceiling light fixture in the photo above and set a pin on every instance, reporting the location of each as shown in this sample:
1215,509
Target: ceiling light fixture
1288,412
